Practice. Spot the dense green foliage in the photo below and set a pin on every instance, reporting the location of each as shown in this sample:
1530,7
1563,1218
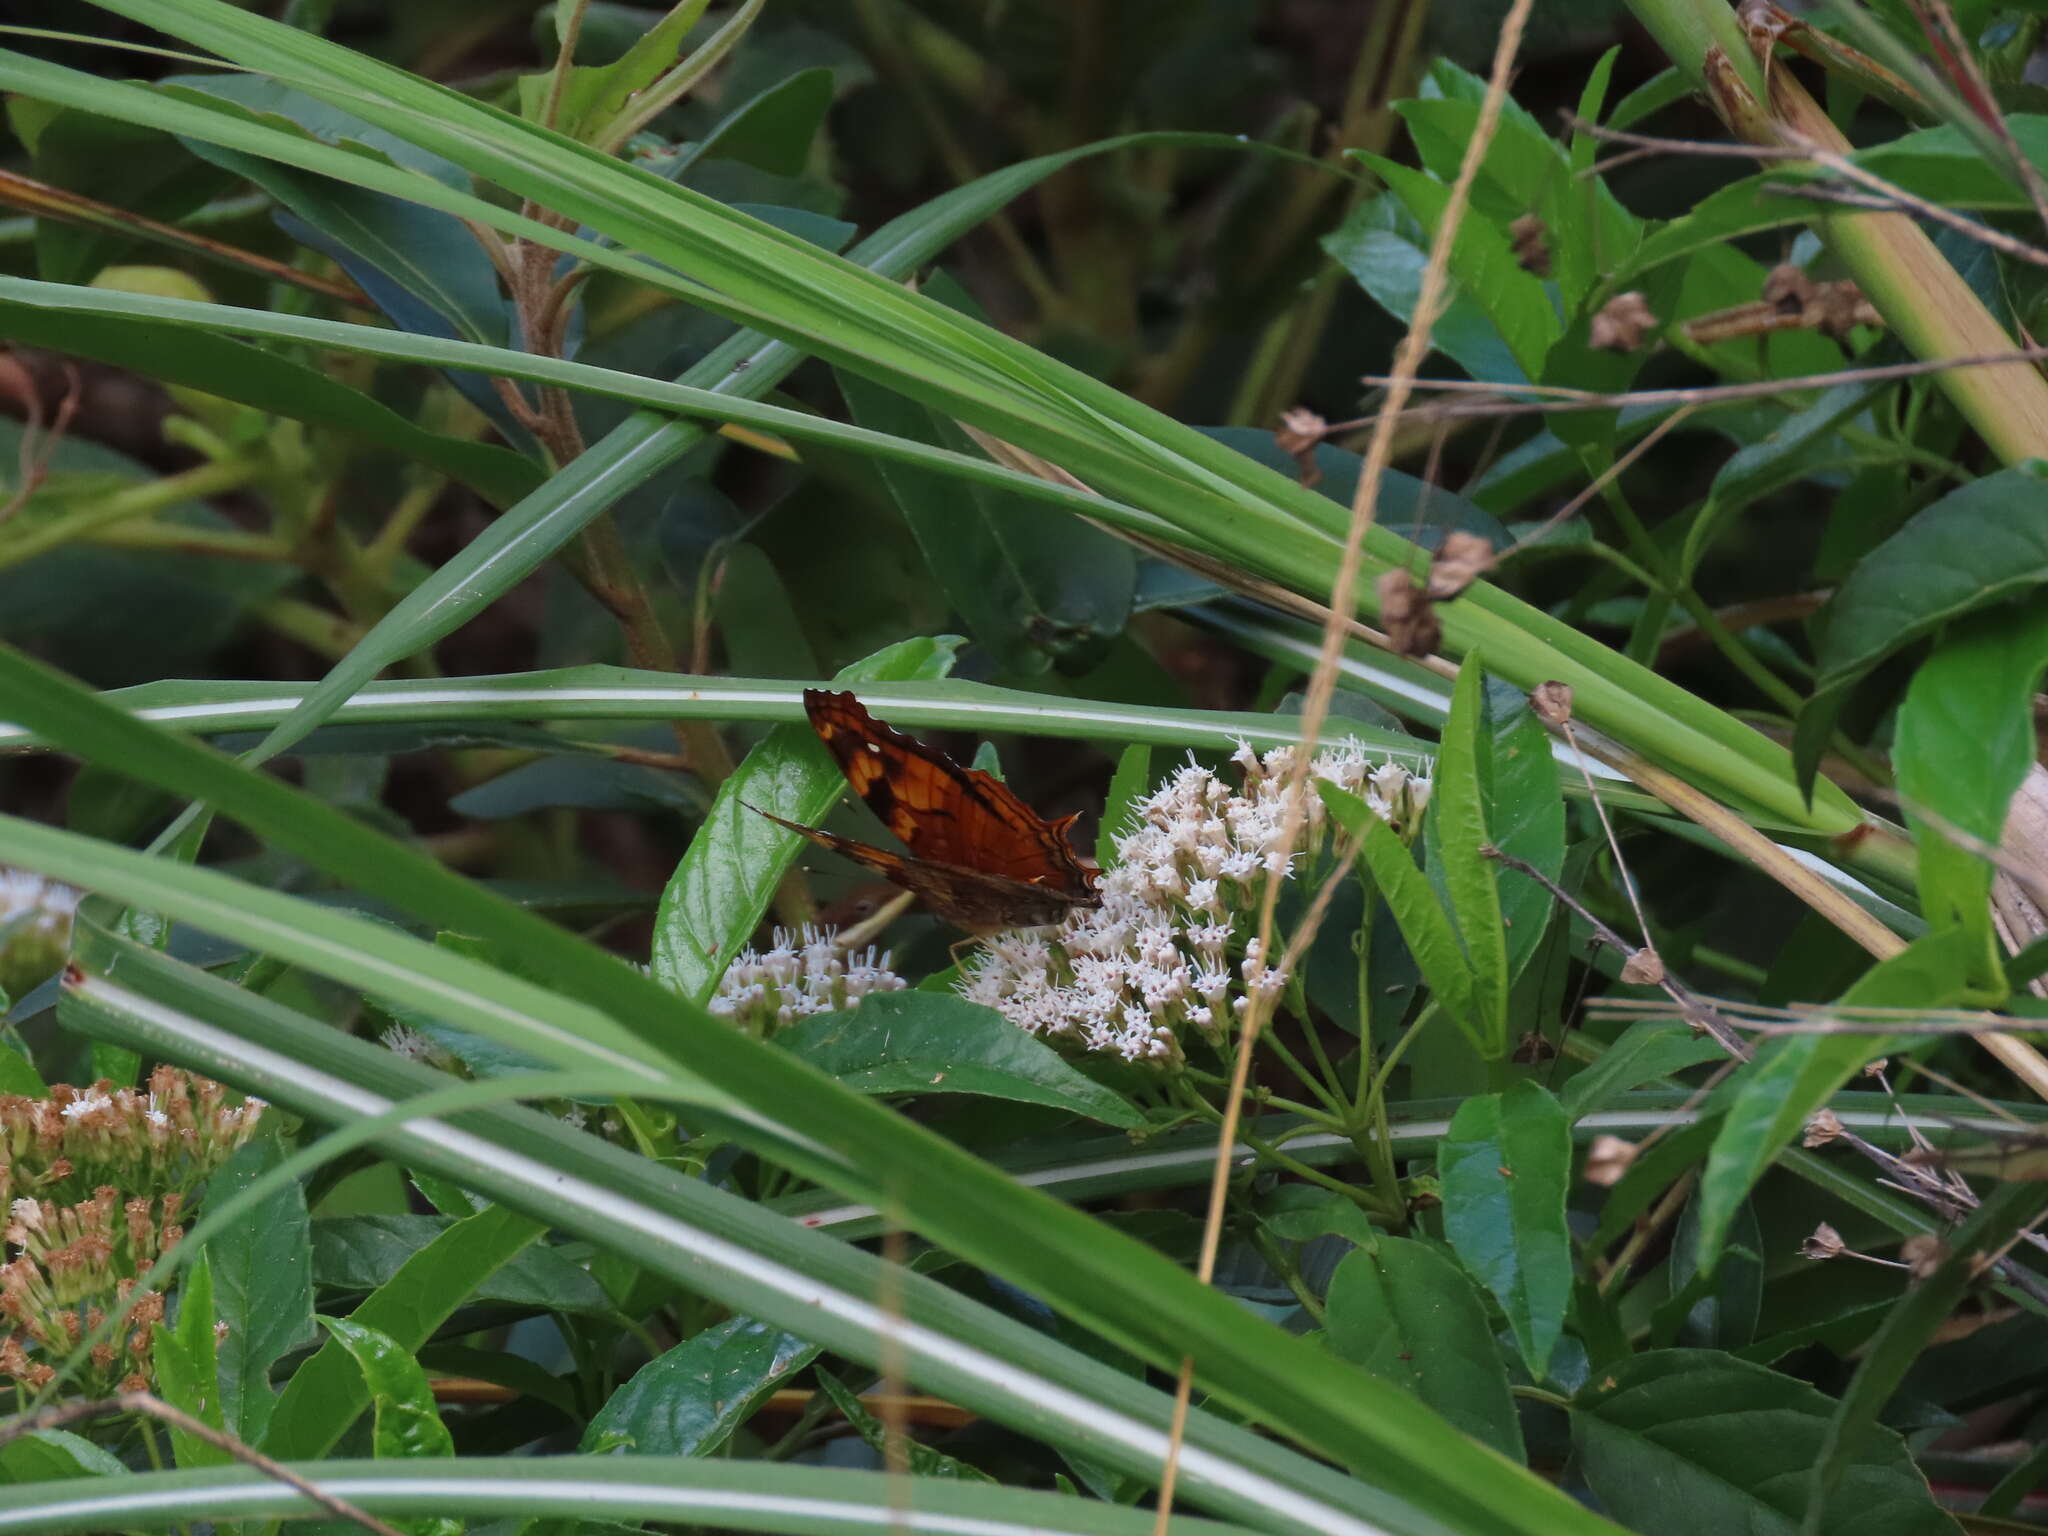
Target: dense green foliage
446,442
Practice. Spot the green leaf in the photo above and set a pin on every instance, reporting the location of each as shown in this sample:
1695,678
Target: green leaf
53,1455
408,1424
594,94
1770,1099
1031,584
1648,1050
1964,741
1483,263
327,1392
367,1253
1524,817
1130,783
263,1288
721,888
1384,249
1505,1166
688,1401
188,1373
1402,1311
924,1461
1980,545
773,131
932,1042
18,1073
1694,1442
128,167
1908,1332
1421,917
1457,839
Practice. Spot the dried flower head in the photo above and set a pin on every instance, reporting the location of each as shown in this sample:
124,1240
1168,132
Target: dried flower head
1826,1243
799,976
1823,1128
69,1268
1173,942
1607,1159
1922,1254
166,1138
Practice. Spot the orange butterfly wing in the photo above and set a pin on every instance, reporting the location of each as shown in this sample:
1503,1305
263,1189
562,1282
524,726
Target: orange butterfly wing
944,813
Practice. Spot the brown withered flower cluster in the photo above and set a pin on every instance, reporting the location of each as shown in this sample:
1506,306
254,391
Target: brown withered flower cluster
95,1183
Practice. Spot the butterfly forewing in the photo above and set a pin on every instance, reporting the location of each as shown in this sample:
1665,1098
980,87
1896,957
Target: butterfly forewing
945,813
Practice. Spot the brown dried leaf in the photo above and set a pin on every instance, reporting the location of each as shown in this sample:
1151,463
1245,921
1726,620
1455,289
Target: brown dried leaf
1922,1254
1622,323
1531,239
1299,432
1607,1159
1552,703
1643,968
1462,560
1823,1128
1407,615
1826,1243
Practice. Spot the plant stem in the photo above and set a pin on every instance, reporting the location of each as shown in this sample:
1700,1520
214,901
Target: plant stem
142,500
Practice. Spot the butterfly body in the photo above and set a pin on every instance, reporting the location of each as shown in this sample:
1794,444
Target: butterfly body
978,855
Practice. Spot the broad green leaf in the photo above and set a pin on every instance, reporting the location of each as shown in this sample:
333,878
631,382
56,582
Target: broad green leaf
1032,585
1802,447
1504,1167
1769,1101
1978,546
53,1455
688,1401
1384,249
1421,917
773,132
408,1423
1483,263
117,164
1130,783
1648,1050
932,1042
1398,1308
924,1461
187,1369
367,1253
327,1391
1458,836
720,890
593,94
1909,1330
1694,1442
1524,817
263,1289
18,1074
1963,743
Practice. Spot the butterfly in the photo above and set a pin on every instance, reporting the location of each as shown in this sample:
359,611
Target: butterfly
979,856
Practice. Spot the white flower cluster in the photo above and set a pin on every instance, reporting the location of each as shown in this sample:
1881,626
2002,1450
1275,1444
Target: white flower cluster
799,976
1171,943
22,891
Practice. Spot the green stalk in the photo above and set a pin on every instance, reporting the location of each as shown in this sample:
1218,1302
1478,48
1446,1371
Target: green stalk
1923,299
